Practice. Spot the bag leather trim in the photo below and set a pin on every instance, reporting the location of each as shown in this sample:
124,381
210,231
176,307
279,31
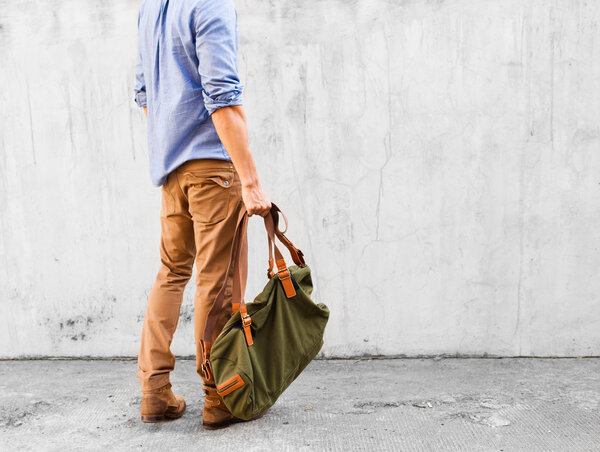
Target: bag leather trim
230,385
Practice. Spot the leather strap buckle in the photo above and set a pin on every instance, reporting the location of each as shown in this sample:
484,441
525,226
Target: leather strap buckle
207,369
246,320
285,272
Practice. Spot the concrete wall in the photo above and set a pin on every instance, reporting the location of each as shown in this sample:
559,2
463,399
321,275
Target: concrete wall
439,162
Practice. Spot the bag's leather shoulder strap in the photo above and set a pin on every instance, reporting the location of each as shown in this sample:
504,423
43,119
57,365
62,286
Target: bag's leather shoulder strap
237,270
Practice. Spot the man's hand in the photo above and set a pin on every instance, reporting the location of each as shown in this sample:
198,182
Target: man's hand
230,124
255,200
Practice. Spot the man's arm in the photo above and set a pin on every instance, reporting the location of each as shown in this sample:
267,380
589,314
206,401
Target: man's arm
230,123
216,47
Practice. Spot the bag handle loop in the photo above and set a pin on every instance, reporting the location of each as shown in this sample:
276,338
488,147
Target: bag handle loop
271,224
282,271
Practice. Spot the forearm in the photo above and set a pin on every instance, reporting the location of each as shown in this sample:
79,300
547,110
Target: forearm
230,123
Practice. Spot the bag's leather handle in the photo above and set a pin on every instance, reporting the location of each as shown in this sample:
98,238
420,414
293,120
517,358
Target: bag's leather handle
282,271
297,255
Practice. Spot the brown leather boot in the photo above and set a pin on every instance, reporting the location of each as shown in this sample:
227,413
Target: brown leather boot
216,414
160,404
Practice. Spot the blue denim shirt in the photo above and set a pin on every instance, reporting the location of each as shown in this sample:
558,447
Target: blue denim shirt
187,69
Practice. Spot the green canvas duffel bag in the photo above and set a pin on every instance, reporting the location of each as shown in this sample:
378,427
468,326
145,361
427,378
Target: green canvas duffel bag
266,344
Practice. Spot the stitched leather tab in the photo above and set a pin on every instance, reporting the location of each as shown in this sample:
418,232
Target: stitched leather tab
246,322
285,278
230,385
288,285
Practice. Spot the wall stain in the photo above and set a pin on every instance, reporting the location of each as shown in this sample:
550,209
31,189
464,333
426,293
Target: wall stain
78,328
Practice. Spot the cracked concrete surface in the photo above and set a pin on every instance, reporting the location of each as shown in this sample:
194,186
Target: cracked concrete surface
400,404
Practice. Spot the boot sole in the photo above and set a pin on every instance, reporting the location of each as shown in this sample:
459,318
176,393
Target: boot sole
163,417
220,424
224,424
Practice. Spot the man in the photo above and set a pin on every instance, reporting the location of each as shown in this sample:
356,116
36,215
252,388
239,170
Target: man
187,82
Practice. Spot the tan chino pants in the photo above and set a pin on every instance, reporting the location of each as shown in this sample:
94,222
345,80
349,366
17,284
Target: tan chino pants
200,204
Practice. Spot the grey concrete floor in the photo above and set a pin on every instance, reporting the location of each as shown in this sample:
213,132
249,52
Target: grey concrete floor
400,404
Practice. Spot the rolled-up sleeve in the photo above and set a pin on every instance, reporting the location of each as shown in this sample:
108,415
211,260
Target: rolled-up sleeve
216,49
140,83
